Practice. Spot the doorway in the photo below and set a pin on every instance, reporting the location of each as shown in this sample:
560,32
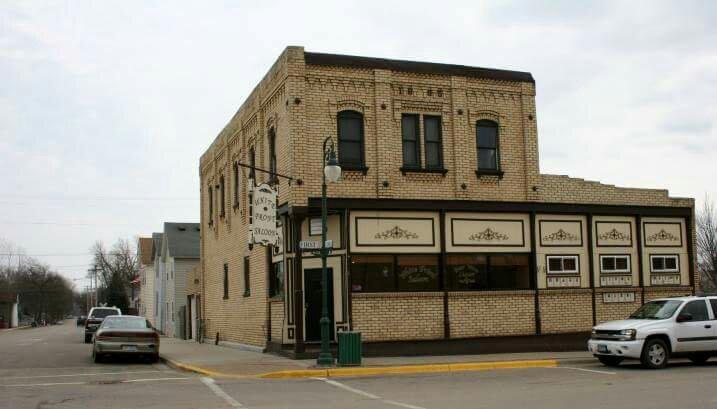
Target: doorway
312,299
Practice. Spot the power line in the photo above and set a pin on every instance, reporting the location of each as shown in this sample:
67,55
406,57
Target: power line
47,255
69,224
100,198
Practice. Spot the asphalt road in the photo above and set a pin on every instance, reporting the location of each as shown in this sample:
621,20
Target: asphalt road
51,368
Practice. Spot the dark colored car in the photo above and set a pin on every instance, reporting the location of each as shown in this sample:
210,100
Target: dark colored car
126,335
95,318
81,320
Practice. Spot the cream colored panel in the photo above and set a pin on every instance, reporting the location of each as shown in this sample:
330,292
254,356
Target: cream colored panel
562,235
666,236
333,230
333,263
487,232
614,235
395,232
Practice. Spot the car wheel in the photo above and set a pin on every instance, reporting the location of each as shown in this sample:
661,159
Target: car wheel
610,360
154,358
655,354
699,359
97,358
88,338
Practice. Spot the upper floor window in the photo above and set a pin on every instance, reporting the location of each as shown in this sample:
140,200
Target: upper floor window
487,143
351,151
432,138
222,196
247,275
225,287
272,155
410,138
235,171
252,163
211,204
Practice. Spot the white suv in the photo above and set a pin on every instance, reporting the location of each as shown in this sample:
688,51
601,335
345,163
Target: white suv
680,326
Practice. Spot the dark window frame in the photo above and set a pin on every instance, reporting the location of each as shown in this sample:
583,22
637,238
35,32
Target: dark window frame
416,141
664,269
562,258
272,156
247,277
210,193
487,123
252,164
615,270
226,281
276,285
353,115
395,286
439,143
694,319
222,197
237,184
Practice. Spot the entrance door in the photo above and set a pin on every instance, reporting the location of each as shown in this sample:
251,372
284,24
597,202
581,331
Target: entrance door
312,299
193,317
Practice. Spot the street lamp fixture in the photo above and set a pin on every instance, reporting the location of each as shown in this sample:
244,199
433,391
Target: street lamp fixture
332,173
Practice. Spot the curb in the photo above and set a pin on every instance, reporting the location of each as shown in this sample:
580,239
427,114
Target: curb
372,371
410,369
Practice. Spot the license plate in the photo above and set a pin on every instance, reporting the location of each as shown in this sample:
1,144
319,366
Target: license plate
129,348
602,348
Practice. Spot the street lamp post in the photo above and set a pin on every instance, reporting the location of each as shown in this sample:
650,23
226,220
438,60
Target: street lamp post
332,172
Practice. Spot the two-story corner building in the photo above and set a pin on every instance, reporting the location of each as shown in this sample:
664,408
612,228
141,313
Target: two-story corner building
178,255
443,227
145,258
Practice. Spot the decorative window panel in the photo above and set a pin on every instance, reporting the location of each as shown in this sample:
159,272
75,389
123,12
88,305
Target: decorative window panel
560,282
616,281
662,234
488,232
613,234
560,233
405,232
665,279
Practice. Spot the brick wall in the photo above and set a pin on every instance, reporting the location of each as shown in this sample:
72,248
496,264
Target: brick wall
491,313
616,310
564,311
398,316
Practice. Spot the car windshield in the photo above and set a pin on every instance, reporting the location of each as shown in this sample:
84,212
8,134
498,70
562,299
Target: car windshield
103,312
656,310
125,323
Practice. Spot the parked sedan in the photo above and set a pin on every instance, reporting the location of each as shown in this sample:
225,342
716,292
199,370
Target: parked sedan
125,335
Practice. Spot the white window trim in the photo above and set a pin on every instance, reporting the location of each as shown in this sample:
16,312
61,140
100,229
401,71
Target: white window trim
563,271
627,270
665,270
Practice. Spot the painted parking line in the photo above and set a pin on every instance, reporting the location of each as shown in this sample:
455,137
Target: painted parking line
367,394
79,374
17,385
220,392
586,370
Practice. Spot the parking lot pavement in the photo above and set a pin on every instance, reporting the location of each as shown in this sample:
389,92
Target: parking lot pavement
51,368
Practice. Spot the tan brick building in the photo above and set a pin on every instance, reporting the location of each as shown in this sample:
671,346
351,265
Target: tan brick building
443,227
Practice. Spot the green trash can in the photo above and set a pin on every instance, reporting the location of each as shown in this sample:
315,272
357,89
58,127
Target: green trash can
350,349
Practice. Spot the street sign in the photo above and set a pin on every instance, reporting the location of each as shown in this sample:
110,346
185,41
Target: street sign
314,245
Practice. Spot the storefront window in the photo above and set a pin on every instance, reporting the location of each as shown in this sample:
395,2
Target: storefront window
467,272
488,271
276,280
417,273
372,273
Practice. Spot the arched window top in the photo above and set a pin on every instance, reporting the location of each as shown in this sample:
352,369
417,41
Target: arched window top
348,113
487,123
350,139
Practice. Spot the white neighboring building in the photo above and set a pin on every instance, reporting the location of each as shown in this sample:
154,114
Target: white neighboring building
145,258
179,254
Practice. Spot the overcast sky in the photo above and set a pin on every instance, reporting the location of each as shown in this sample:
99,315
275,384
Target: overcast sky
105,107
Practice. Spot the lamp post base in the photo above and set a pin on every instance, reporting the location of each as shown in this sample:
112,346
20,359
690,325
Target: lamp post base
325,359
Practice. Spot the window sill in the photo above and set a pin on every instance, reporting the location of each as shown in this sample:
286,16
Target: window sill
247,294
354,168
486,172
441,171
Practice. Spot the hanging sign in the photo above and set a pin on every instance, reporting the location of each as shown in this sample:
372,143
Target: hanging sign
263,227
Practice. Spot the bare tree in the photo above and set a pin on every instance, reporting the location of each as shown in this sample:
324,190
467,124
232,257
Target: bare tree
116,268
707,245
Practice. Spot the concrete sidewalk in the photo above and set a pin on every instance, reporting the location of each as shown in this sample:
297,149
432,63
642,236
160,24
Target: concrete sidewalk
219,361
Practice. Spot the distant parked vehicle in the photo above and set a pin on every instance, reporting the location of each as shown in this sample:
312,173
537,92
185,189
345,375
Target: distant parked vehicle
125,335
678,326
95,318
